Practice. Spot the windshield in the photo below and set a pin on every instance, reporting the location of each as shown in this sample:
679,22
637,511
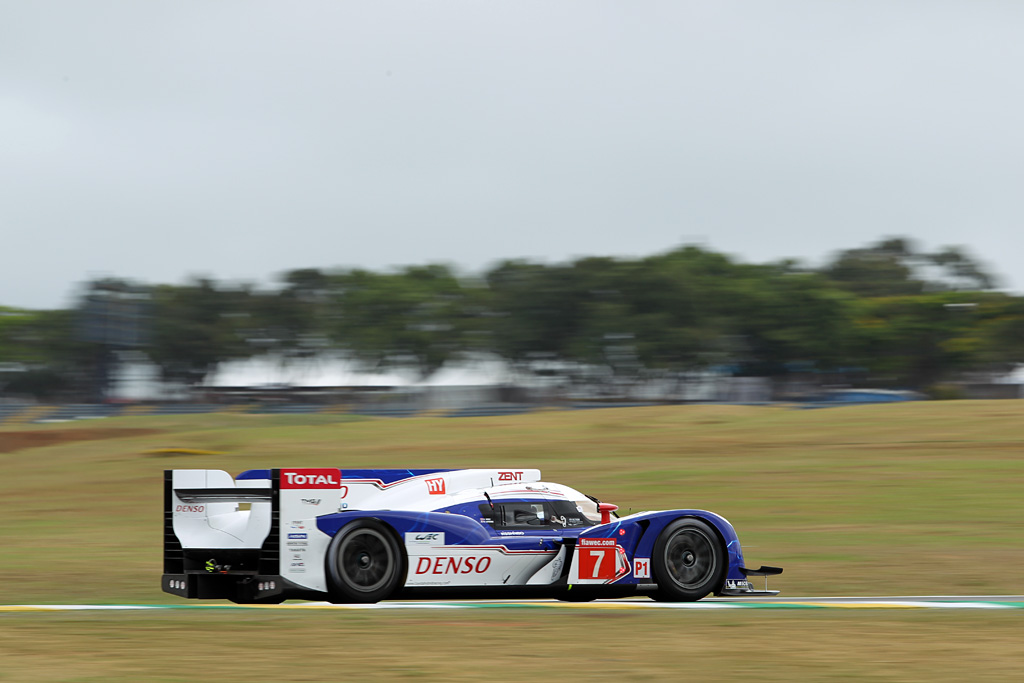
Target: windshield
548,514
588,508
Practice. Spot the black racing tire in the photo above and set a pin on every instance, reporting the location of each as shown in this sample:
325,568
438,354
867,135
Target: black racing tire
689,561
365,563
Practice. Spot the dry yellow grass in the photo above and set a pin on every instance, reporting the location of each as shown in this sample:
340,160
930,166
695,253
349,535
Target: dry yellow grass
505,645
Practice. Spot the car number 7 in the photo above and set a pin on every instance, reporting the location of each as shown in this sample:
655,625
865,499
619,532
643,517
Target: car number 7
599,555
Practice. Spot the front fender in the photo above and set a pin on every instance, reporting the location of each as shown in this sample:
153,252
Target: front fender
655,522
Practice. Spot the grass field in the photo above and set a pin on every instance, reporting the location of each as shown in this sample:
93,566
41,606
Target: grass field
914,498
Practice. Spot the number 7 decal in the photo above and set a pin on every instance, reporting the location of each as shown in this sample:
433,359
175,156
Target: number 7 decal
597,558
598,555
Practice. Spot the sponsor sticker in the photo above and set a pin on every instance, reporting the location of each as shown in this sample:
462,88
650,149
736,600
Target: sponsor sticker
556,569
642,567
435,487
453,565
297,536
510,476
596,541
311,478
424,538
597,558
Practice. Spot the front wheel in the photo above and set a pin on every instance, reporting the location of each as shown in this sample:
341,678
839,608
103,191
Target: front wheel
689,561
364,563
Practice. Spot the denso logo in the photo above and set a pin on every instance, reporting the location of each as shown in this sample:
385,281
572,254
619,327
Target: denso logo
435,487
311,479
453,565
510,476
190,508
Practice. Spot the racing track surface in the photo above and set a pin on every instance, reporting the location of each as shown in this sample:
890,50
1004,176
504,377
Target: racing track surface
888,602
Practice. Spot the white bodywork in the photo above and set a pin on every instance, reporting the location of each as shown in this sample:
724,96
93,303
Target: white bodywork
204,524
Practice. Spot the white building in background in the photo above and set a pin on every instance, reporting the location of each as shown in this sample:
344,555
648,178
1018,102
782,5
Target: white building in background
470,381
301,372
136,379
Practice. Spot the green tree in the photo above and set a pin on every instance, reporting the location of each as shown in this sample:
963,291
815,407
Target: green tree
411,317
895,267
198,325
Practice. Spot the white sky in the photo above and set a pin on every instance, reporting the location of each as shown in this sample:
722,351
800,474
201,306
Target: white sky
239,139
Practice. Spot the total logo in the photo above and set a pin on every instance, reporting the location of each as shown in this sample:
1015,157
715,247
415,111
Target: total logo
453,565
323,478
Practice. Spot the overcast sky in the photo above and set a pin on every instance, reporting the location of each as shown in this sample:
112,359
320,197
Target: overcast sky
157,140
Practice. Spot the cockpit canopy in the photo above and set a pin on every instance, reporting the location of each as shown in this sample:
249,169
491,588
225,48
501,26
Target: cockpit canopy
541,514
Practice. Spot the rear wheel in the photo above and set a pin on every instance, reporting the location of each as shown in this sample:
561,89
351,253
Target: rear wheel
689,561
364,562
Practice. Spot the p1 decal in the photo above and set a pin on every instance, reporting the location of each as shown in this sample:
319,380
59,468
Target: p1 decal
597,558
642,567
435,487
311,478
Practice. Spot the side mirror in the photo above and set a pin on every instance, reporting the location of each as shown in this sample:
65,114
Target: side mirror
606,510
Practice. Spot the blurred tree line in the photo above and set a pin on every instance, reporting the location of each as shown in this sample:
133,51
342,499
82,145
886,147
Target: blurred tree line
888,313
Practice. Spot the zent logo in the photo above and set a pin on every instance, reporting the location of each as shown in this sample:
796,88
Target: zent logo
320,478
510,476
642,567
435,487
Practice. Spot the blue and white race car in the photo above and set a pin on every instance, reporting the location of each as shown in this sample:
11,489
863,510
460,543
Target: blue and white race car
367,535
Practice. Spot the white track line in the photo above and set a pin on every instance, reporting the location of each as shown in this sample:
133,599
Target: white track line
915,602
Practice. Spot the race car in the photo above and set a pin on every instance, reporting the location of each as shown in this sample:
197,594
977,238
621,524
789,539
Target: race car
361,536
